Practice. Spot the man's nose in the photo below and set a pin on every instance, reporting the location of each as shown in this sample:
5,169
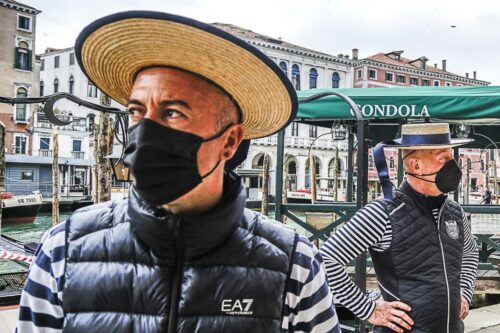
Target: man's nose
152,113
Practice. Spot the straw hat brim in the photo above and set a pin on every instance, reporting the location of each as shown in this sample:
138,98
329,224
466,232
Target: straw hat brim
113,49
454,143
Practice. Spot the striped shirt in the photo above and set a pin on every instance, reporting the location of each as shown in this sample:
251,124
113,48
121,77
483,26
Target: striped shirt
370,227
308,307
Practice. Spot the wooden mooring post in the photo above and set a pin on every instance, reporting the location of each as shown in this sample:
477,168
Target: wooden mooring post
55,178
265,185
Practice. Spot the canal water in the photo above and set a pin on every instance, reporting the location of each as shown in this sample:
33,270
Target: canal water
30,232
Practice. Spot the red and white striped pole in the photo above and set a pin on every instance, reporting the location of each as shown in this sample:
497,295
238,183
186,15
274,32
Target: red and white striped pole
15,256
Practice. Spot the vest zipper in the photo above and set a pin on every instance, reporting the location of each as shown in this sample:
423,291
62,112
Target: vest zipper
444,268
387,291
174,295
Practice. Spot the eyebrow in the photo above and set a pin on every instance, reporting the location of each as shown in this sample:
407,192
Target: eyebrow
163,104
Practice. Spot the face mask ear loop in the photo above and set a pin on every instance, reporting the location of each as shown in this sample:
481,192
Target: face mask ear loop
211,171
218,134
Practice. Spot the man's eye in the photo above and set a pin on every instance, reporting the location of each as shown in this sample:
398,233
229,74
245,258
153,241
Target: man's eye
134,112
173,114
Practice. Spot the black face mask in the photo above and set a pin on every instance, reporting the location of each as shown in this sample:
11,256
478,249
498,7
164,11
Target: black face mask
163,161
447,178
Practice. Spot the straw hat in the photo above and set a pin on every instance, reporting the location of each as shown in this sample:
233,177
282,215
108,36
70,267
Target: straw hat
427,136
113,49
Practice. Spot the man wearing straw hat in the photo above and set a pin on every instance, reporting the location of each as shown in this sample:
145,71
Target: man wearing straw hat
182,254
419,240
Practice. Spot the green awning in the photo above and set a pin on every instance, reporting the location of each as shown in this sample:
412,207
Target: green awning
460,104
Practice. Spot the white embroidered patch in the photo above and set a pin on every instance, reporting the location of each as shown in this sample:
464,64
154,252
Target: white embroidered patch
452,229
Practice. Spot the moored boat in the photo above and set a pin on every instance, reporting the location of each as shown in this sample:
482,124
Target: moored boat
20,208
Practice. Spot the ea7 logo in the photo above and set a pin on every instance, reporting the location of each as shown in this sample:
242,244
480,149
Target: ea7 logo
237,307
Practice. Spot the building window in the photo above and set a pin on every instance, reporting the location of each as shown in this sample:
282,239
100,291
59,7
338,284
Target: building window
284,67
77,145
23,57
296,76
391,162
426,82
41,88
335,80
19,144
359,74
56,85
414,81
400,79
372,74
71,58
23,22
91,90
44,143
42,64
436,83
295,129
448,84
313,131
71,84
56,62
389,77
370,162
313,78
21,108
27,175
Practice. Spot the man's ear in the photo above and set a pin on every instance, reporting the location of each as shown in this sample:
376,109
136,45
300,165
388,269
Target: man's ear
414,165
233,138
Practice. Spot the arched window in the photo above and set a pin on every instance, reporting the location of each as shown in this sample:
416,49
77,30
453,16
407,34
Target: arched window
370,161
41,88
292,168
56,85
391,162
335,80
21,108
71,84
292,176
296,76
482,165
313,78
284,67
23,56
317,168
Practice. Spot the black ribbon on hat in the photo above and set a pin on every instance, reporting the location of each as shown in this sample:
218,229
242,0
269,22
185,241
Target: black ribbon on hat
406,140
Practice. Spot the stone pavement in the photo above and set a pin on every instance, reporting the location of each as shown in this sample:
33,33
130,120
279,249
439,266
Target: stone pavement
483,320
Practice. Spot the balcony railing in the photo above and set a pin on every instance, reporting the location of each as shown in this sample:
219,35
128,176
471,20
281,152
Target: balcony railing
302,142
78,124
78,154
45,152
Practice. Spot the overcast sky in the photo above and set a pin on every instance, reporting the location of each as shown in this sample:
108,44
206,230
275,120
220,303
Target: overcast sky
419,27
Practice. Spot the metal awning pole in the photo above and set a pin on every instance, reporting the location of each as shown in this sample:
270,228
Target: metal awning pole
350,148
279,176
361,200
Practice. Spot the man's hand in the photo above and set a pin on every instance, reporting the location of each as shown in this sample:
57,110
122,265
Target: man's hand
464,308
388,314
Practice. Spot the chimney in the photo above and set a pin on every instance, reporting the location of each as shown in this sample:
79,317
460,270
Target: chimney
340,55
467,75
444,65
435,65
474,75
346,56
355,54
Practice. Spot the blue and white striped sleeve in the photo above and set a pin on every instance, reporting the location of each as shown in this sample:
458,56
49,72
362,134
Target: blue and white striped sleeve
470,259
40,308
309,305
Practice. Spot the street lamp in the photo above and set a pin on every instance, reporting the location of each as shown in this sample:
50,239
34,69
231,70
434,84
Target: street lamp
120,171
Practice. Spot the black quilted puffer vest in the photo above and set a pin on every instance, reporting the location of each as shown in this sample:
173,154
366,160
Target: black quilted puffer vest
423,264
133,269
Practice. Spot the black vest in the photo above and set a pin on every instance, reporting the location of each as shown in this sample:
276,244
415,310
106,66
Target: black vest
130,268
423,264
